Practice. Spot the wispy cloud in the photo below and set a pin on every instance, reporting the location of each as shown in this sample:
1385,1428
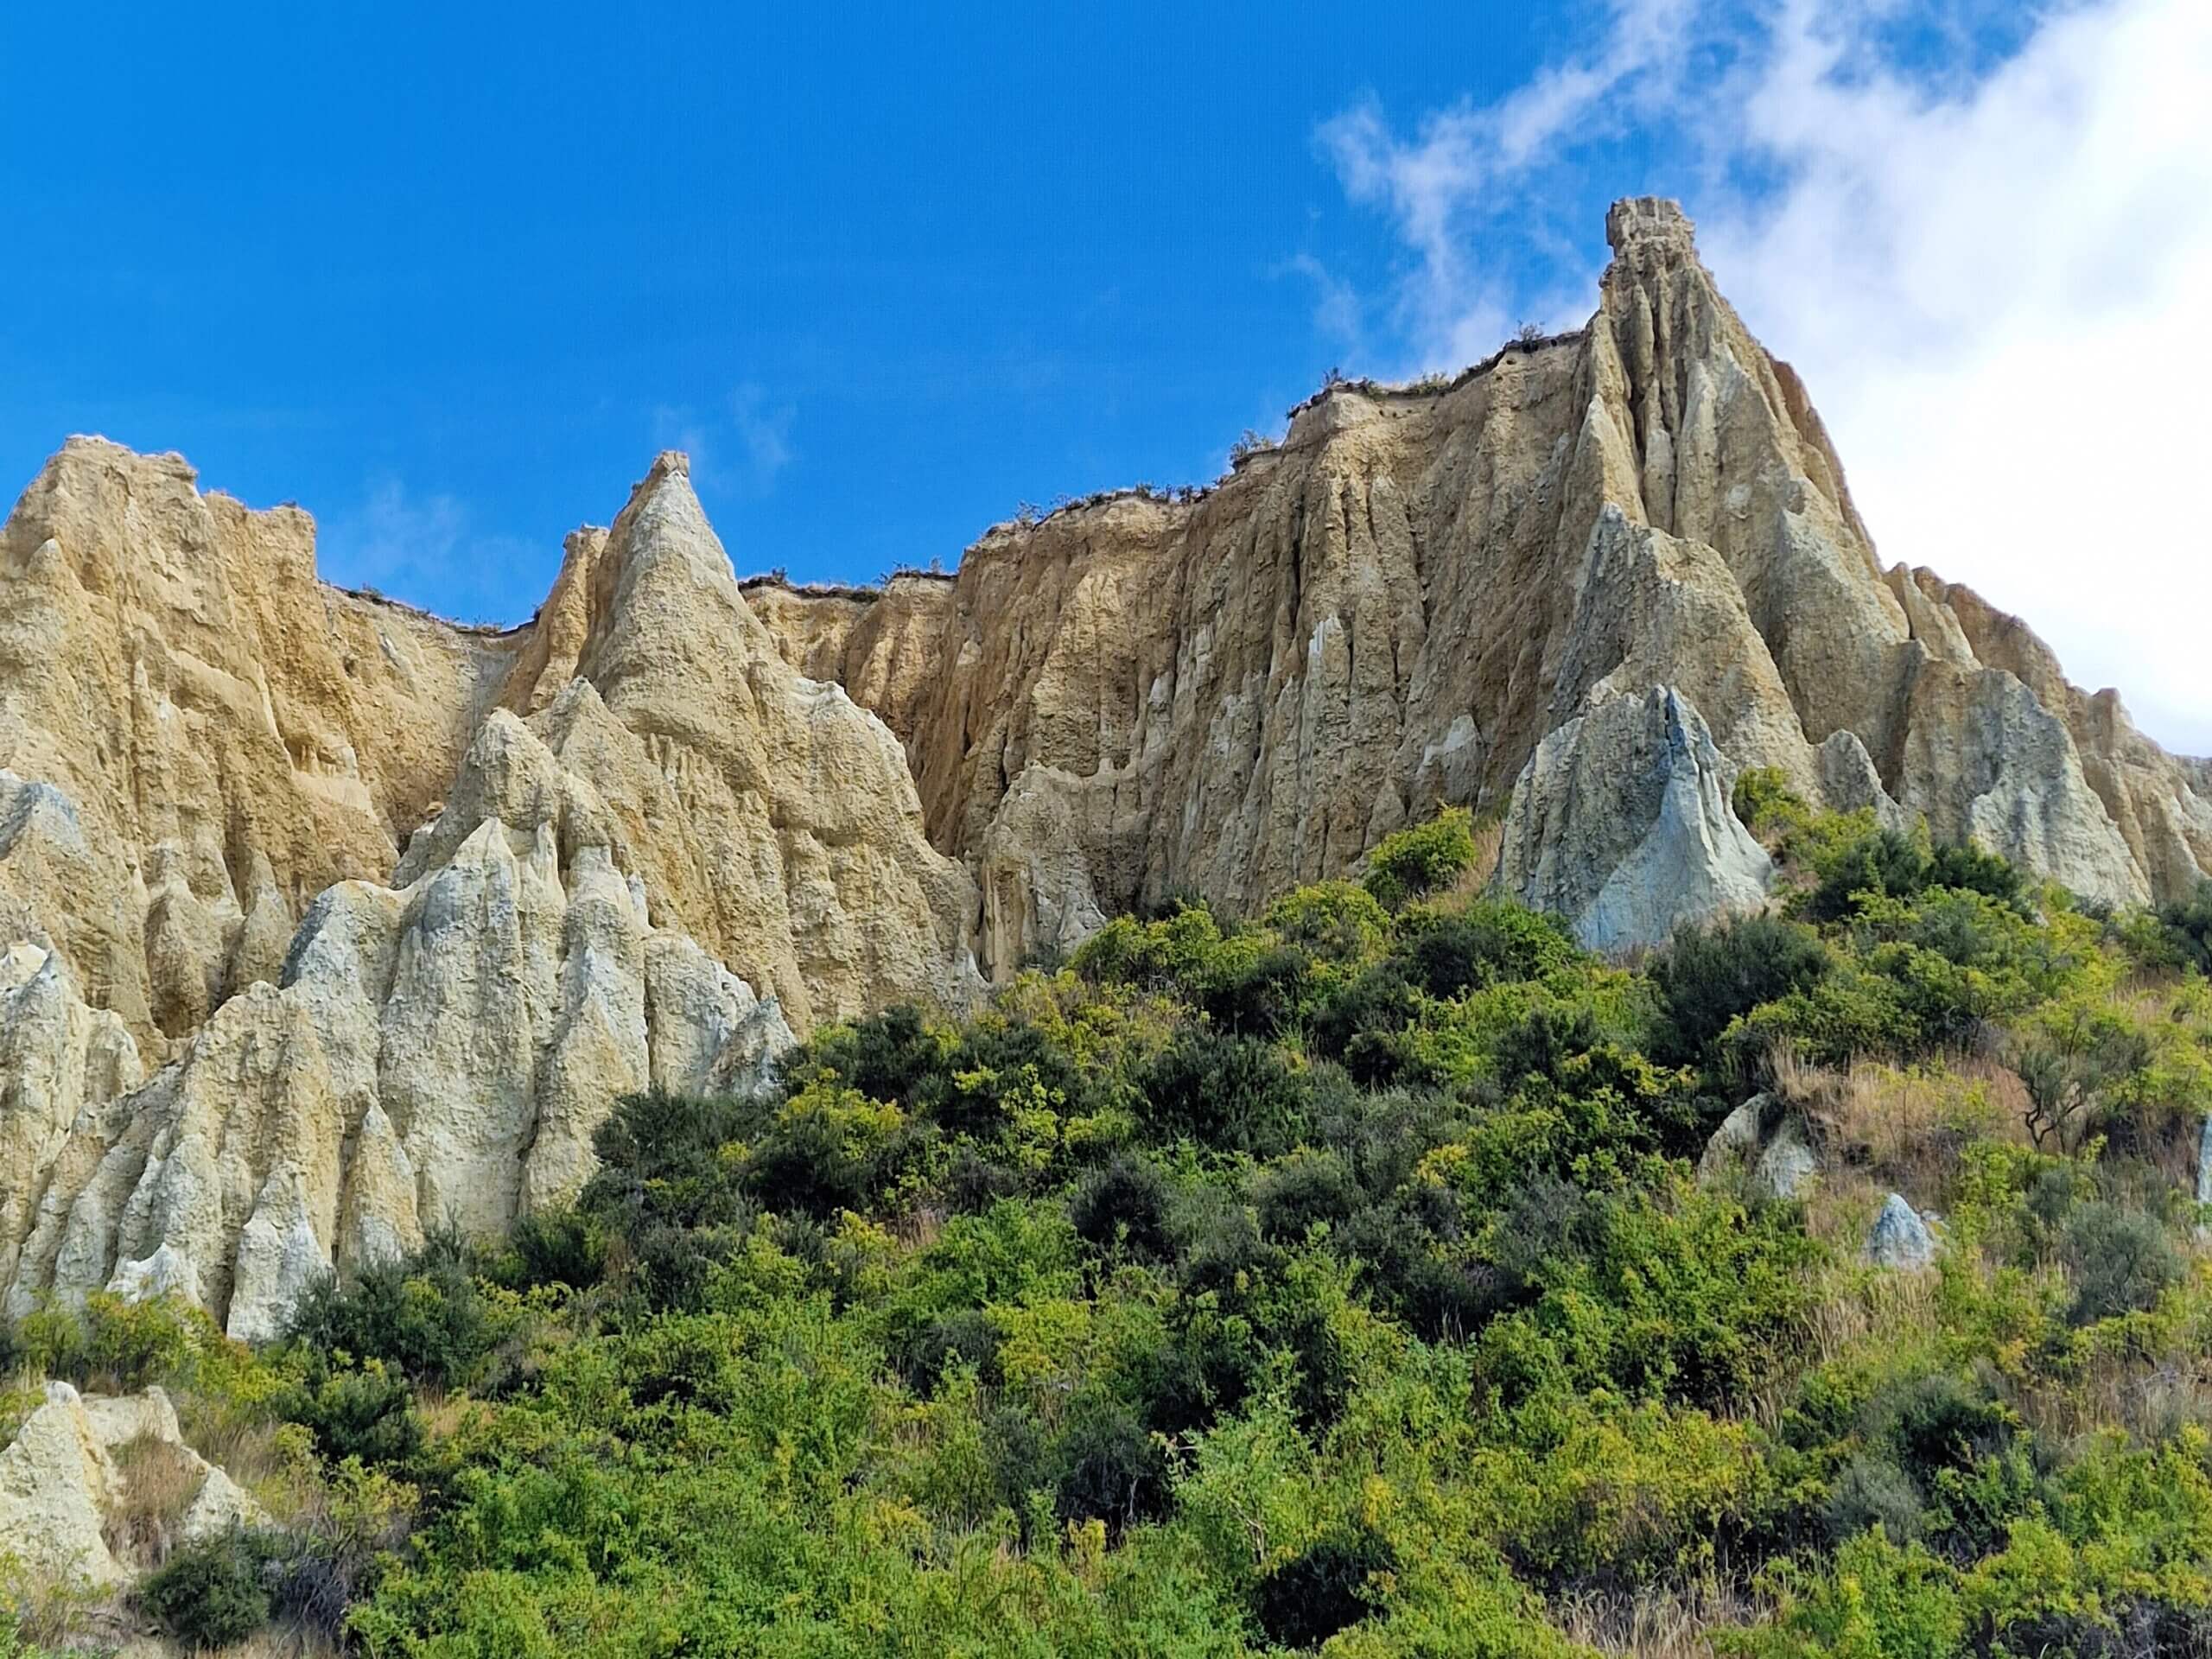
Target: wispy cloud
1339,316
429,550
1987,246
742,447
1473,169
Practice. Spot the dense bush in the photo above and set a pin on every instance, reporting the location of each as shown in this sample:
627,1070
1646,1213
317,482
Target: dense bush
1890,863
1330,1585
428,1315
1709,978
1338,1280
2188,927
368,1414
1425,858
212,1593
2121,1261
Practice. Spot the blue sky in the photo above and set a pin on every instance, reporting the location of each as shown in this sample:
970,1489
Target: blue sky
449,275
457,272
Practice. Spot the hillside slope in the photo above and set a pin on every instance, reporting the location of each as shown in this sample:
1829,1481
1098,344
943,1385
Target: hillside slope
327,920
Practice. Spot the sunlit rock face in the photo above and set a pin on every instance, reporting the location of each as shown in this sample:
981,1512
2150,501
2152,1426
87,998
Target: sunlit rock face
1403,604
324,921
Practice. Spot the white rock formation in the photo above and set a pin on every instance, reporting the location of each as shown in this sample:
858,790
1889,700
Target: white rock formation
1899,1238
59,1484
439,1051
1731,1149
1787,1165
1622,823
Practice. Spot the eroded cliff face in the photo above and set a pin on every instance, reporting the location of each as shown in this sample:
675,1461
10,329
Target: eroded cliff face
323,921
313,952
1415,598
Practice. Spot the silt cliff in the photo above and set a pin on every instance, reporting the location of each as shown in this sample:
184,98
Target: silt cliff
326,921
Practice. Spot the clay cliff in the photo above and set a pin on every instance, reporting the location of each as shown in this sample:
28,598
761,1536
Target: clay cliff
1416,597
326,921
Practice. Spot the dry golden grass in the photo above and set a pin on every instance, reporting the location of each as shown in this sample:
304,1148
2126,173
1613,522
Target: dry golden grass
245,1443
1883,1128
1654,1623
159,1481
1489,846
445,1414
1898,1309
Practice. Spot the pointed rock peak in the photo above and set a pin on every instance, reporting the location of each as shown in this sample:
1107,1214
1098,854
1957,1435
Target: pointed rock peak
662,563
662,507
1635,221
670,467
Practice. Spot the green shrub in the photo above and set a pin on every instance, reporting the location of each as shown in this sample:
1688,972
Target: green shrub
1708,978
2188,927
1124,1205
827,1148
1237,1092
1335,922
666,1159
1107,1467
1303,1191
1872,1491
1489,941
1425,858
554,1247
1888,863
212,1593
428,1315
2121,1260
1767,806
1326,1587
1363,1025
367,1414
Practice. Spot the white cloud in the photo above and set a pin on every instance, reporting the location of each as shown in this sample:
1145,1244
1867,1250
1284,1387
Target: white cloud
1995,280
1471,171
1337,315
2000,300
426,550
741,447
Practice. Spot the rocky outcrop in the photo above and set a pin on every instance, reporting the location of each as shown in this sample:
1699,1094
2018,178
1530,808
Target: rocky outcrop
1401,604
1763,1149
199,738
1899,1238
1622,824
61,1487
438,1052
324,920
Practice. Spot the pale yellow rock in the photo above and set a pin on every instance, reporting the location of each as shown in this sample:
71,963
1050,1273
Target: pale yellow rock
59,1484
199,738
442,1053
1393,609
393,910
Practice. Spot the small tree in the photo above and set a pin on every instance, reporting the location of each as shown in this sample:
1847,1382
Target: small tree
2069,1068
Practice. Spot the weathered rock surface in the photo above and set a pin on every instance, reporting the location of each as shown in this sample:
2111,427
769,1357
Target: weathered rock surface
1622,824
1399,605
1899,1238
324,919
60,1485
1787,1165
1730,1150
440,1052
1763,1148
